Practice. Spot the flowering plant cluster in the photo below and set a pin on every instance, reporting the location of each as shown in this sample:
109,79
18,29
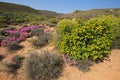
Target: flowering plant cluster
18,35
85,40
67,59
46,29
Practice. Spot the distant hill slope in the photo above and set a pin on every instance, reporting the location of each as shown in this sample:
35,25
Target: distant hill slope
92,13
17,8
10,7
49,13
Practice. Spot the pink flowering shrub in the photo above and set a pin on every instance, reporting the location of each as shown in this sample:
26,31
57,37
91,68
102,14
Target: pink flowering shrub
46,29
18,35
5,41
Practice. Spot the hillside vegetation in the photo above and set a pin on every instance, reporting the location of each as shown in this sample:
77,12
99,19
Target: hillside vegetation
49,13
14,14
16,8
85,15
10,7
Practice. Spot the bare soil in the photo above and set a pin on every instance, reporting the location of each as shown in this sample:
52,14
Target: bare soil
108,70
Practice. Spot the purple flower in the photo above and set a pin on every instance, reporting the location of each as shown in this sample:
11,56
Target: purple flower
23,33
70,63
64,58
4,42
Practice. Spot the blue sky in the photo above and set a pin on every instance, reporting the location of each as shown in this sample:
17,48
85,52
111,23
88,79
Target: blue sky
67,6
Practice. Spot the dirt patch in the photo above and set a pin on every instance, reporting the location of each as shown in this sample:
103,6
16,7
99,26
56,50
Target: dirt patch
108,70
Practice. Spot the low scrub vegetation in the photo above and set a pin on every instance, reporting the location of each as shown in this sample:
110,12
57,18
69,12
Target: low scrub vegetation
12,46
116,26
43,66
14,64
41,41
37,32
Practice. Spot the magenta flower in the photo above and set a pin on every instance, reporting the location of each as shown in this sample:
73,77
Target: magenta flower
23,33
70,63
64,58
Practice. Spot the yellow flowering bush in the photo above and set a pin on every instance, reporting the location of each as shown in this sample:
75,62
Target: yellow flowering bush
91,40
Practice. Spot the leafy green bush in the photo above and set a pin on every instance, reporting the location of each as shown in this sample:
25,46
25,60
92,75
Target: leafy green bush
116,43
11,46
46,66
91,40
66,26
116,26
53,22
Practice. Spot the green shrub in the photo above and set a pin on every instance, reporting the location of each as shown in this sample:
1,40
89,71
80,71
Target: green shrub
116,26
116,42
84,65
3,25
52,25
45,38
36,43
12,46
14,64
91,40
3,32
66,26
46,66
17,59
37,32
41,40
53,22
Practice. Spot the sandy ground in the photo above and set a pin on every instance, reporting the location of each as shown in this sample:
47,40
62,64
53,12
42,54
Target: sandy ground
108,70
